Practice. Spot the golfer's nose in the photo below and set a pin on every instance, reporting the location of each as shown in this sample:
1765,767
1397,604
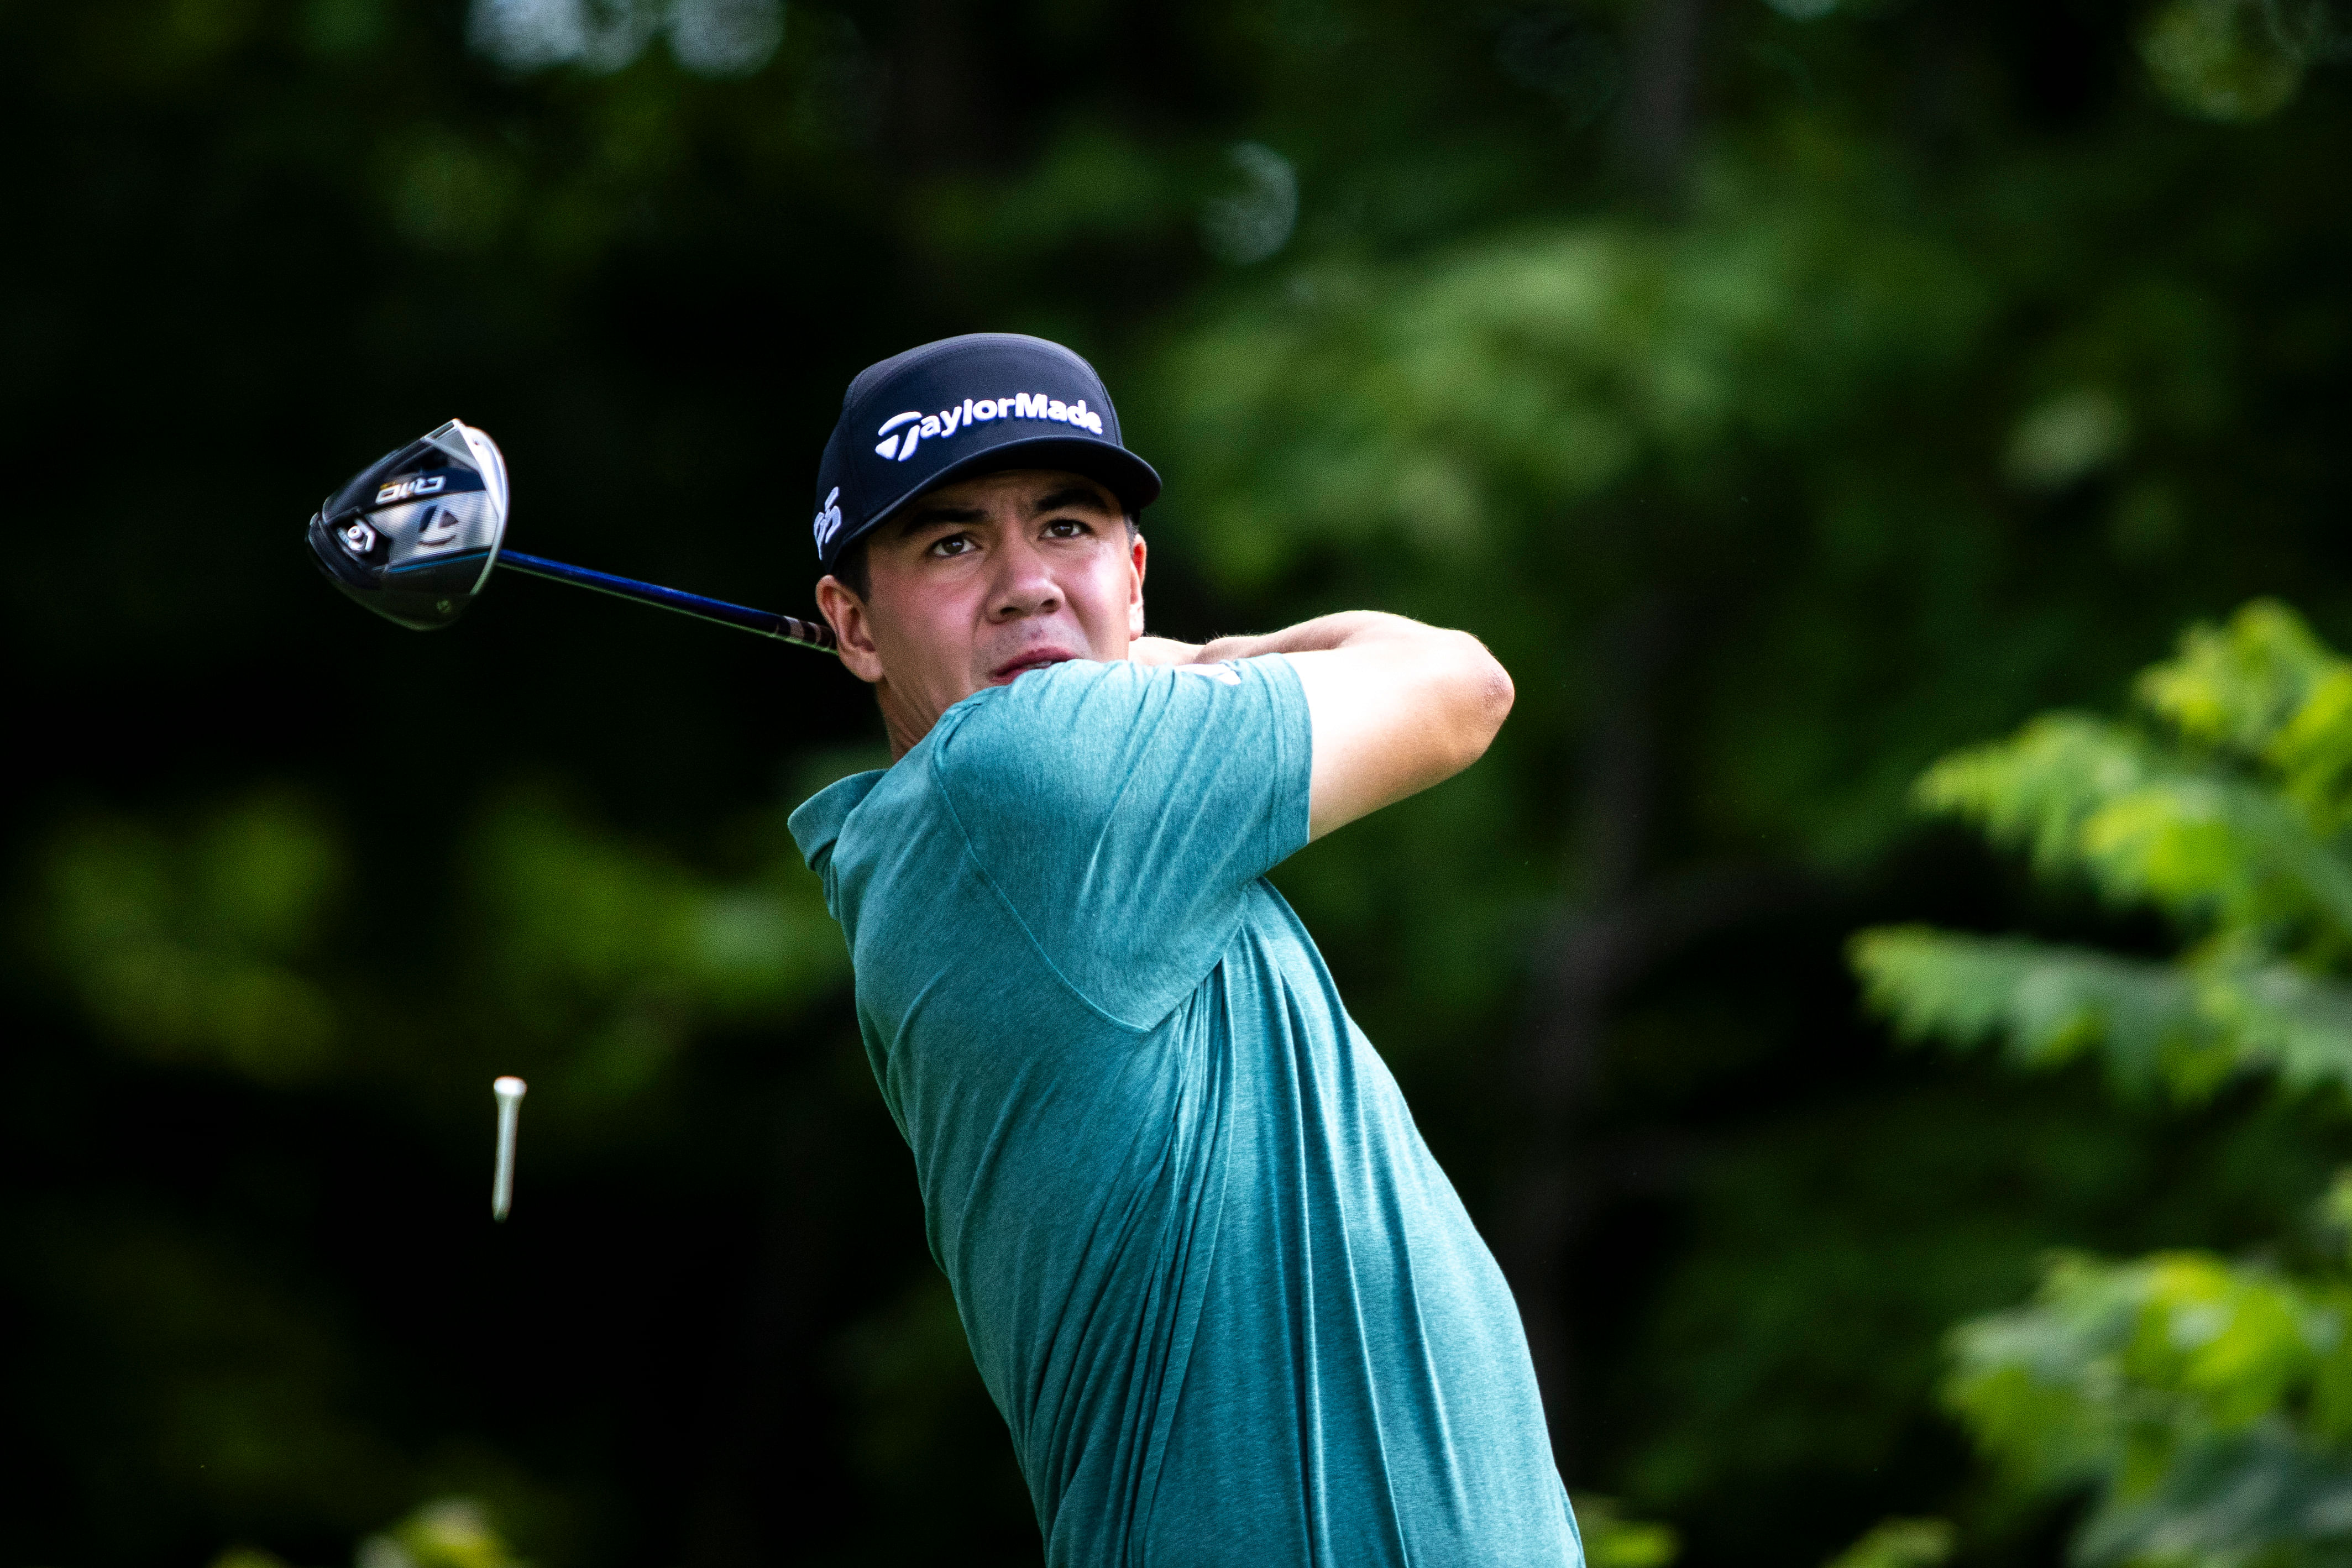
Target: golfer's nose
1024,585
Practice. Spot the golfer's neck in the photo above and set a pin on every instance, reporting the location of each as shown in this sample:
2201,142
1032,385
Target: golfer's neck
902,721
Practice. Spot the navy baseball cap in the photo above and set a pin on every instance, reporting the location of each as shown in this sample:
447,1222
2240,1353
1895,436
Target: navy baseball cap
963,406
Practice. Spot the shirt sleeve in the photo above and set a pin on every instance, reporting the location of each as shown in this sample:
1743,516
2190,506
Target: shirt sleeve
1123,810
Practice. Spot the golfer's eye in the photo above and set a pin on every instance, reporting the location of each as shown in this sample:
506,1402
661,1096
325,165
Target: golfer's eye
1066,528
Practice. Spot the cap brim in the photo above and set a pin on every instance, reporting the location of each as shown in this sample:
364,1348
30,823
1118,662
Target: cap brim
1135,481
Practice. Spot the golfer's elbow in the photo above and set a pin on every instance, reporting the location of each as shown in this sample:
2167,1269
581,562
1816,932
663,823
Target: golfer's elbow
1394,718
1482,697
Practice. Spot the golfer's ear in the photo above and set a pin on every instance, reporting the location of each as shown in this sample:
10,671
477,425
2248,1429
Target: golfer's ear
1135,554
846,613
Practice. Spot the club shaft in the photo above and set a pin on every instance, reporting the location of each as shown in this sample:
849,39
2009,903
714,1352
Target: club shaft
766,622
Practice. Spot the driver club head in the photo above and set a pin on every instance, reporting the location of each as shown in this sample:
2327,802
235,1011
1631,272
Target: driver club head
414,534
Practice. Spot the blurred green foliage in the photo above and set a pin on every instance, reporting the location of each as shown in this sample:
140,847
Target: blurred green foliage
2205,1403
451,1532
1790,392
220,944
1613,1541
1899,1544
2227,820
183,947
448,1532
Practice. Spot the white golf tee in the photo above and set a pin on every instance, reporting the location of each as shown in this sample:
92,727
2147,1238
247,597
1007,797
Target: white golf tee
510,1092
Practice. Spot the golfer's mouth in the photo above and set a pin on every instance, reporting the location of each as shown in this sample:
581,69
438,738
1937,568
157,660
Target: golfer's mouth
1035,659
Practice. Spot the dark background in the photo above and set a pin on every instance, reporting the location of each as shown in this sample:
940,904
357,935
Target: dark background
1787,395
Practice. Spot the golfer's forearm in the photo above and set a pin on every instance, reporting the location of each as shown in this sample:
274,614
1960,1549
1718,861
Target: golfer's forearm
1349,627
1443,685
1397,705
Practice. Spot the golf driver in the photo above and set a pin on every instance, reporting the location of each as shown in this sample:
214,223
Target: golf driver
414,534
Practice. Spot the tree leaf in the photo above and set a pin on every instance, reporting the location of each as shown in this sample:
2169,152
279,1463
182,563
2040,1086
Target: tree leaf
2047,1004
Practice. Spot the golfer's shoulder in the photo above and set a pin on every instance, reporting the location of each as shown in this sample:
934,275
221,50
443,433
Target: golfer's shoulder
1108,723
817,822
1052,729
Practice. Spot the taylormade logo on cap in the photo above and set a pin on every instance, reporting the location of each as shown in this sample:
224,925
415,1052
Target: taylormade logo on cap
948,421
887,448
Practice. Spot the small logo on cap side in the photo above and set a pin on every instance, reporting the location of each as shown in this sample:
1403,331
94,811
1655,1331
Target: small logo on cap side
828,522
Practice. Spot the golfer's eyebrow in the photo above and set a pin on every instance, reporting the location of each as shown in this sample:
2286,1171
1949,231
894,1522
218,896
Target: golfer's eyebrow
931,515
1081,496
1073,496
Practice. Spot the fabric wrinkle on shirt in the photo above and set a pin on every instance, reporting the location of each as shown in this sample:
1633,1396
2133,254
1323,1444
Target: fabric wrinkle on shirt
1230,1309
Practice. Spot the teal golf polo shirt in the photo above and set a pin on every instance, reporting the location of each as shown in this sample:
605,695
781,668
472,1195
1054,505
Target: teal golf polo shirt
1230,1309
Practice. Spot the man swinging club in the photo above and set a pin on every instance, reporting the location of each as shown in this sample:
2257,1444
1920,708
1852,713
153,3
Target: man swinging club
1230,1309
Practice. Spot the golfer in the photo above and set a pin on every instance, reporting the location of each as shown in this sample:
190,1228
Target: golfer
1230,1309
